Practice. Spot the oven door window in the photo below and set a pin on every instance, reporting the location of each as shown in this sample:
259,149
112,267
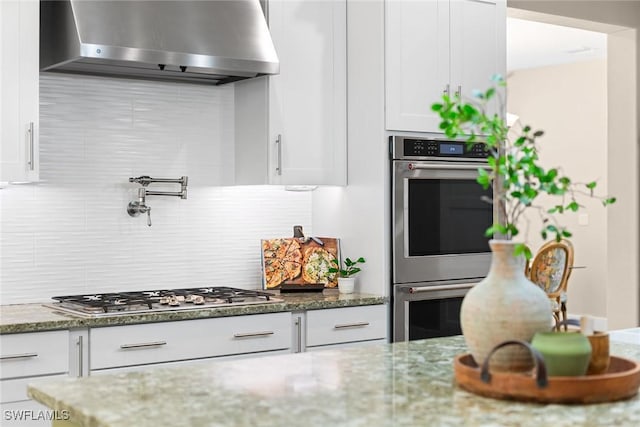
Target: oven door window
434,318
447,216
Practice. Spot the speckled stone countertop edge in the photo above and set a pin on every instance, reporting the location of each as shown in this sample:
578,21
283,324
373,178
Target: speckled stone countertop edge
383,385
34,317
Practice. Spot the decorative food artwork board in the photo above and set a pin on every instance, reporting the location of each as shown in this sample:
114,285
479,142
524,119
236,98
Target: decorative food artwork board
299,262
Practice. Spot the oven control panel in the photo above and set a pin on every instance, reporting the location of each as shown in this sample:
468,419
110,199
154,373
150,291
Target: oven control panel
406,147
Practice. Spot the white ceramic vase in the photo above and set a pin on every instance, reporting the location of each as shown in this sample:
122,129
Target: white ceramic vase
346,285
504,306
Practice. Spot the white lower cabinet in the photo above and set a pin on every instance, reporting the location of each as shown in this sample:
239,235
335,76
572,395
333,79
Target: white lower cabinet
153,343
147,346
25,359
346,326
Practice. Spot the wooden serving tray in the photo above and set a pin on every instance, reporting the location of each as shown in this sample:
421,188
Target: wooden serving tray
620,382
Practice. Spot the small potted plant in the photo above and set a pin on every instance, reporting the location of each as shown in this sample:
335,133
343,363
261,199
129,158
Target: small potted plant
346,274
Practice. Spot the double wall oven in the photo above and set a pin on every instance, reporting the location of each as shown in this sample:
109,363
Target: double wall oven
440,214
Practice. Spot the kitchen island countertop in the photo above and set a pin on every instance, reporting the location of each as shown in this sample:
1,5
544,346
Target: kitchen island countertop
400,384
18,318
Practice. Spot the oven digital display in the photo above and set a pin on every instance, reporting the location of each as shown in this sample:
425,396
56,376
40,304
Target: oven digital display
452,149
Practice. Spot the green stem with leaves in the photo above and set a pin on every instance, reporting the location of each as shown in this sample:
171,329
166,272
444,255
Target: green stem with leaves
514,171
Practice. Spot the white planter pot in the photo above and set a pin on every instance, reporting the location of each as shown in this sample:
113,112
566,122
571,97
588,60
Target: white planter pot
346,285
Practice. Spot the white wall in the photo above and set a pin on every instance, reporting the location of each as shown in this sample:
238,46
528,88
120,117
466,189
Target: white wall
569,102
71,234
623,156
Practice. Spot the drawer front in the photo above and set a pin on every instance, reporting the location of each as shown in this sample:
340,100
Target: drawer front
341,325
15,390
190,339
37,353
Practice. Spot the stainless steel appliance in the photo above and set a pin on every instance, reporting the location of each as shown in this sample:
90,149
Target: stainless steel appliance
439,217
208,42
119,303
428,311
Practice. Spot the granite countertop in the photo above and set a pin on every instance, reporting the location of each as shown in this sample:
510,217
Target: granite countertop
35,317
400,384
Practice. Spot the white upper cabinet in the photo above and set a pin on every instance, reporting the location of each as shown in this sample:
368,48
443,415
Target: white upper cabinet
478,44
19,53
307,100
417,62
305,131
437,46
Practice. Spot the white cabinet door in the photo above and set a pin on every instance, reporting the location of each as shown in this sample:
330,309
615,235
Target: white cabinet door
307,100
478,45
417,62
19,52
439,46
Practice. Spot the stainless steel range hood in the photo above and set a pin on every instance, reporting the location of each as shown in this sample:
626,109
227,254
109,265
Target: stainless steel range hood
207,42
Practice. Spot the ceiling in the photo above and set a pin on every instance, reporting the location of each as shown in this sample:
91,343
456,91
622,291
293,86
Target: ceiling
533,44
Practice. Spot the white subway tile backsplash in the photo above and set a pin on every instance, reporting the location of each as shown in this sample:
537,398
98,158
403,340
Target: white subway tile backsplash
71,234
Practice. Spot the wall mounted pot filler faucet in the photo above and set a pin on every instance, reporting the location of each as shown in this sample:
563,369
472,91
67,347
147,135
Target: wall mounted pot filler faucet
139,206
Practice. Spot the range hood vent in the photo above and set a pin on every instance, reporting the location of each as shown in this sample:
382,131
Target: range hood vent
208,42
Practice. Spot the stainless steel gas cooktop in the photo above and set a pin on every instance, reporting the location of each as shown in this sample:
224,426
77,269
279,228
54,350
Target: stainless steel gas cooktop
118,303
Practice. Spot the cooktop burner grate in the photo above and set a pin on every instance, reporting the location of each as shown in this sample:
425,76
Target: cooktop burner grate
113,303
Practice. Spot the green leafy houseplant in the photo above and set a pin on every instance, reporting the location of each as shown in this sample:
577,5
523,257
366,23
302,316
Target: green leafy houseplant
349,269
514,168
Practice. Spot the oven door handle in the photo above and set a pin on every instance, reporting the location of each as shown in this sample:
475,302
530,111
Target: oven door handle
415,290
431,166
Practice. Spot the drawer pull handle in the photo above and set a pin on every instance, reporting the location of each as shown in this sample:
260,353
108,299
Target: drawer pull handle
253,334
143,345
19,356
352,325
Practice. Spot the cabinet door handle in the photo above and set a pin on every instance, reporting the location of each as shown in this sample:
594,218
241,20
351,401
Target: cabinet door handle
32,156
446,89
459,91
351,325
253,334
143,345
19,356
430,166
299,330
279,152
80,351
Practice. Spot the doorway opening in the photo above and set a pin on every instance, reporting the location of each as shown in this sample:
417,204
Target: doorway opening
563,78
